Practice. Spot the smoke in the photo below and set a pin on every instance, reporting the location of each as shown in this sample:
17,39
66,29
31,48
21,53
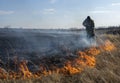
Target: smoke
37,47
37,43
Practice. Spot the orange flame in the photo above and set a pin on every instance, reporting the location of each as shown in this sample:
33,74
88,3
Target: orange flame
108,46
71,66
24,69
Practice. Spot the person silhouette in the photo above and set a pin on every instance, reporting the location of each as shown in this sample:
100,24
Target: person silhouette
89,24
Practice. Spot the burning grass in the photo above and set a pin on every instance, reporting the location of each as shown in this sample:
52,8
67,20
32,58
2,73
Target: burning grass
66,65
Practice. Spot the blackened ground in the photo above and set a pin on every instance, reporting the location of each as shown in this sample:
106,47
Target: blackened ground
31,45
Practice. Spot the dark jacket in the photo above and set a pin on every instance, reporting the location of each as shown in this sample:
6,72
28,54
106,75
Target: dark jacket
89,24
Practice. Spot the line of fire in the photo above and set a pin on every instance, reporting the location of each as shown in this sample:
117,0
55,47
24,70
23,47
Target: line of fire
67,63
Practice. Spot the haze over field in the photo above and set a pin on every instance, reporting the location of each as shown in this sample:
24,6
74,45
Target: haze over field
58,13
44,41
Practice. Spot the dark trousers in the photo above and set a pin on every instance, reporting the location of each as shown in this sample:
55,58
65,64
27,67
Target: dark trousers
90,32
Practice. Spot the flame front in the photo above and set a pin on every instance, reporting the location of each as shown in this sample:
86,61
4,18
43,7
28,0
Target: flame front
71,66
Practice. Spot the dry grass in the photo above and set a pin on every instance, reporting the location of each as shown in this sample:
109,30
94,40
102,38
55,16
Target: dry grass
107,69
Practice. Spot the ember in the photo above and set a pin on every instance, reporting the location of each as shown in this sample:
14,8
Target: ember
66,65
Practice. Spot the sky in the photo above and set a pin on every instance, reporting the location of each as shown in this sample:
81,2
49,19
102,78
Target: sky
45,14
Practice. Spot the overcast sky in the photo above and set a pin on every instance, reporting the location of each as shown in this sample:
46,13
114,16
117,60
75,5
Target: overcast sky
58,13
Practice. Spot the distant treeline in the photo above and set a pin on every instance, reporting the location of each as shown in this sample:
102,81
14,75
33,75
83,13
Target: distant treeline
62,29
110,27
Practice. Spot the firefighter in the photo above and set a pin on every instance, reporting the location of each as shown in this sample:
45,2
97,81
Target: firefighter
89,24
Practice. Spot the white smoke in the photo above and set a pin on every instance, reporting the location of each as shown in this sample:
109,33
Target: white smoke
49,42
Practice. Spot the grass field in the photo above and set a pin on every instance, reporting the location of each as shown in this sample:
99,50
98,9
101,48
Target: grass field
106,70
